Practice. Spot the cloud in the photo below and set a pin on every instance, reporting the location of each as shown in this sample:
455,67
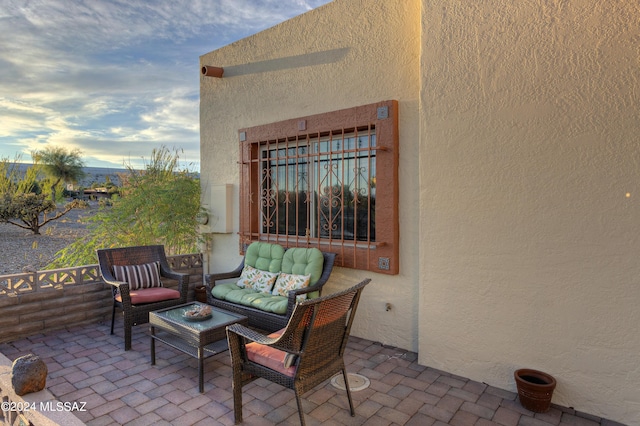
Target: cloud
115,78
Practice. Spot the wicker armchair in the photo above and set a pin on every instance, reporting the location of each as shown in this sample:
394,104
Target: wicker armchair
136,304
301,356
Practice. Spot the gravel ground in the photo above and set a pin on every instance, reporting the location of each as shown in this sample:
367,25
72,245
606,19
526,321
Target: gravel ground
21,251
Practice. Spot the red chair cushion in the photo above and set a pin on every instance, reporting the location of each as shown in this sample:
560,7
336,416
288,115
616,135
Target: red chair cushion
272,358
150,295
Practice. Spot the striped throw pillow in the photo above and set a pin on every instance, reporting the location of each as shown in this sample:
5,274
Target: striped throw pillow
139,276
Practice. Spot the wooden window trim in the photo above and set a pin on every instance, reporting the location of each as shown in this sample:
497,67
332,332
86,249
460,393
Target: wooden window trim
379,256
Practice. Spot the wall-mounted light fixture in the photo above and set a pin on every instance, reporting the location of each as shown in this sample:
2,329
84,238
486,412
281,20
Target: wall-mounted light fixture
209,71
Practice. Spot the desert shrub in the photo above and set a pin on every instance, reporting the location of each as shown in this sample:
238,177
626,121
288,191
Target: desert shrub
156,205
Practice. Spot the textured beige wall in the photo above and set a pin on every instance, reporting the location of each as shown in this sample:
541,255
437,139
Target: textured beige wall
344,54
530,143
519,243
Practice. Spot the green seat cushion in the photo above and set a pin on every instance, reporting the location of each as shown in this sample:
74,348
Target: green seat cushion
249,297
220,291
237,296
264,256
270,303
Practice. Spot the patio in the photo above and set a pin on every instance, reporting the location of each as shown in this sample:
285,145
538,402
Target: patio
87,364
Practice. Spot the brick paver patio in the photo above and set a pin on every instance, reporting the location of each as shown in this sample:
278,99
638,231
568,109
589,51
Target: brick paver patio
86,364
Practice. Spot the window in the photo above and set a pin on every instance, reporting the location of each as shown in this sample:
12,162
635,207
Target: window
327,181
322,186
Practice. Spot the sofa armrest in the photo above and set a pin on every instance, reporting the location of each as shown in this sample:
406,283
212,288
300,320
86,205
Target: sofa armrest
292,296
327,267
210,279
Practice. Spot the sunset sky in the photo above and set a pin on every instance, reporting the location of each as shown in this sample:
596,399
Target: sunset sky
115,78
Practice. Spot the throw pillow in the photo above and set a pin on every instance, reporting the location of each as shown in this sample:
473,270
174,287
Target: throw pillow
256,279
288,282
271,357
139,276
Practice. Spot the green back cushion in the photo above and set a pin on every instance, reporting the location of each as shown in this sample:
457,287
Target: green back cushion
264,256
303,261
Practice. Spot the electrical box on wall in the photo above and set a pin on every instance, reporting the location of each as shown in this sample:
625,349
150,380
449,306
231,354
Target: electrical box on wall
221,209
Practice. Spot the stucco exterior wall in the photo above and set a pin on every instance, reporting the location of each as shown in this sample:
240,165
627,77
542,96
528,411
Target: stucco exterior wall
530,196
341,55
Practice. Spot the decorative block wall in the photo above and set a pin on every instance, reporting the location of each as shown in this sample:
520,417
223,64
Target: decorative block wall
46,300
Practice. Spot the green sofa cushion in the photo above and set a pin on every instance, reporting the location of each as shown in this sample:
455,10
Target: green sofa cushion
271,303
264,256
273,258
304,261
249,297
220,290
239,295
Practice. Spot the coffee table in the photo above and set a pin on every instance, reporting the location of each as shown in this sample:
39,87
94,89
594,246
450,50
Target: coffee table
200,339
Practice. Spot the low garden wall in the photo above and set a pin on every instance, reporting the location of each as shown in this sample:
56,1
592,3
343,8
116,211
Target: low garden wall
34,303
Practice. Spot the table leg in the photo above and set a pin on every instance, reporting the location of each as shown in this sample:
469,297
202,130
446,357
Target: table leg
153,346
201,367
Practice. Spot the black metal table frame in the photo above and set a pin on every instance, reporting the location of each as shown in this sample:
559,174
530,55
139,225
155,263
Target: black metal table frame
199,344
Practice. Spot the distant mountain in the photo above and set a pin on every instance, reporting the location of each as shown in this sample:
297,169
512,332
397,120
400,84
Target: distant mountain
97,175
92,174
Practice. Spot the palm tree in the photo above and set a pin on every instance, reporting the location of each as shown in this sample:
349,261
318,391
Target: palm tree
61,165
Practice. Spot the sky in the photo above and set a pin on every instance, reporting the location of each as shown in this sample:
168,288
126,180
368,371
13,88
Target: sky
115,79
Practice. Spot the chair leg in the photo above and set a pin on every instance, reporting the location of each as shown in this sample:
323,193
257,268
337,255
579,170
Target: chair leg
346,385
237,399
127,334
113,316
300,412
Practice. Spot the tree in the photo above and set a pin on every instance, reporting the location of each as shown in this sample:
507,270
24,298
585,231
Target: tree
61,165
21,202
7,175
157,205
29,211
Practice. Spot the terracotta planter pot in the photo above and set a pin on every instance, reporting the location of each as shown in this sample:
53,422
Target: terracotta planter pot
535,389
201,293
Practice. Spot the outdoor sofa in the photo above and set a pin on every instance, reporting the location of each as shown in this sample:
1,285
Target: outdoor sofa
269,281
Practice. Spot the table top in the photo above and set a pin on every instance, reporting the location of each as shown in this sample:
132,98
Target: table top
175,316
